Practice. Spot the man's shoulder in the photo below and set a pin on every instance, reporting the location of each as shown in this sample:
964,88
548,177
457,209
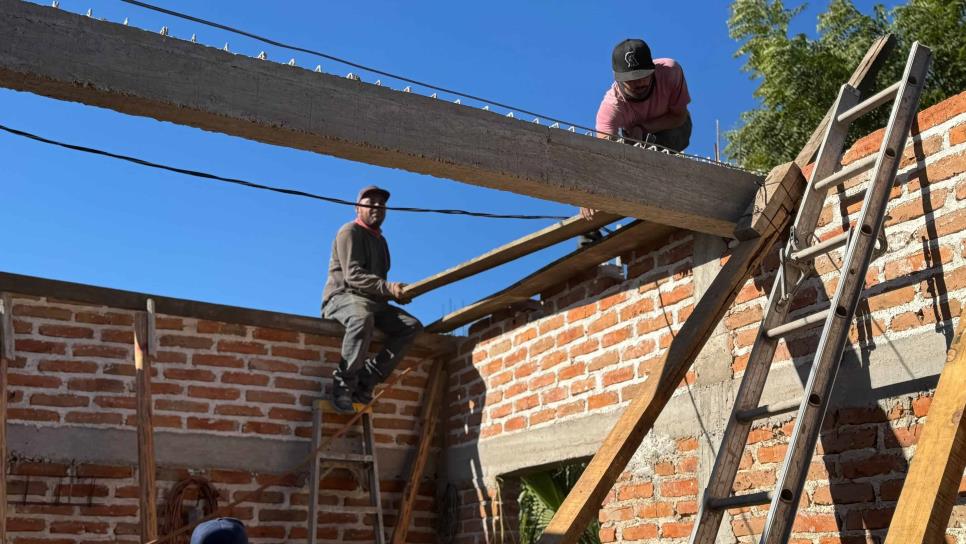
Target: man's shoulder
667,66
348,229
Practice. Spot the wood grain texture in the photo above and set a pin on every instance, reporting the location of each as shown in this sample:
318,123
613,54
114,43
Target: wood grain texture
583,502
531,243
427,428
635,235
70,57
862,79
143,358
932,484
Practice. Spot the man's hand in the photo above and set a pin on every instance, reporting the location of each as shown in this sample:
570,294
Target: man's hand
587,213
397,289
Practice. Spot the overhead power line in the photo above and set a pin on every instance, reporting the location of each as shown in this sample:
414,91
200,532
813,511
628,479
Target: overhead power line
253,185
537,116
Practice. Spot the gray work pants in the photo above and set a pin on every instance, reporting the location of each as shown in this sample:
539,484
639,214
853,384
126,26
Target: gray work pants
361,317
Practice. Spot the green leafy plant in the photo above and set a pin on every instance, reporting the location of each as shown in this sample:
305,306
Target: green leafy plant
541,494
800,76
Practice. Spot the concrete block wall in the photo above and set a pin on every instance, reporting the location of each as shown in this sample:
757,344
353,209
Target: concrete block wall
232,404
530,391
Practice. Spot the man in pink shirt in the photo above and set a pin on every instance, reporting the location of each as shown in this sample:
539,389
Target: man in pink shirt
648,101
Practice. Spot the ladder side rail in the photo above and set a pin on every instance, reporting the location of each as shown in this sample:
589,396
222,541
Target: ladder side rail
374,492
733,441
831,345
735,436
828,162
314,475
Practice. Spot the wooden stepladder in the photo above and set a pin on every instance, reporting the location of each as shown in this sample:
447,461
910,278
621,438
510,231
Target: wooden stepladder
366,458
863,241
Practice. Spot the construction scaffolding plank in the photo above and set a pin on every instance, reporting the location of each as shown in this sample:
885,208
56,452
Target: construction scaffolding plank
427,430
143,359
520,247
635,235
71,57
932,484
583,502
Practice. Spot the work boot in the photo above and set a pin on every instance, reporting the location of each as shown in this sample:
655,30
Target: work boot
341,394
369,378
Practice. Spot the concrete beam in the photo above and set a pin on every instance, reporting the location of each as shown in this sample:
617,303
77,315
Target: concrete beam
905,366
71,57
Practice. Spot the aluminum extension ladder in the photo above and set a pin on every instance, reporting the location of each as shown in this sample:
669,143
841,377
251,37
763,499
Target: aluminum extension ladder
367,458
863,241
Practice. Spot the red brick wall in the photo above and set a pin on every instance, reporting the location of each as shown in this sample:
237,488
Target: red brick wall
598,339
74,368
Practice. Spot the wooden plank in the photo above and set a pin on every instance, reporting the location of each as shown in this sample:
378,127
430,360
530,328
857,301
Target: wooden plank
628,238
428,420
7,354
583,502
932,484
129,300
520,247
143,358
862,79
70,57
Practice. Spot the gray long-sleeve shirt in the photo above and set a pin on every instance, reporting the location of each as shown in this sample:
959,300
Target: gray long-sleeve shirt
359,264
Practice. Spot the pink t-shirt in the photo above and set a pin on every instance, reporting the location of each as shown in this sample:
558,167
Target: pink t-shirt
670,94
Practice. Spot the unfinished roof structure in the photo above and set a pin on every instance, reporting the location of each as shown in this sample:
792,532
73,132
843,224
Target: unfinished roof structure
119,406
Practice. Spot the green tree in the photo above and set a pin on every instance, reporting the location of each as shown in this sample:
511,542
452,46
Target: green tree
801,76
541,494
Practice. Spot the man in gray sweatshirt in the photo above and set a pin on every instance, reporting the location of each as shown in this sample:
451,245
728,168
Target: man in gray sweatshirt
357,295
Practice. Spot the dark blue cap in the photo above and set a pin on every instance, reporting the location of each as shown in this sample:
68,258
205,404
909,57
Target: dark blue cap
220,531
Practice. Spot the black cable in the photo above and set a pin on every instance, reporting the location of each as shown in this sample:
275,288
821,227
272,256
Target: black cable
253,185
276,43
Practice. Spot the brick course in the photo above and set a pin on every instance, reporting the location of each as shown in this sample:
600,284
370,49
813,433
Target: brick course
597,338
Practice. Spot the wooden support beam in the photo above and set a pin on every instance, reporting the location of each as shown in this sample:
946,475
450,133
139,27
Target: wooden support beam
427,427
932,484
583,503
7,354
520,247
626,239
143,357
70,57
862,79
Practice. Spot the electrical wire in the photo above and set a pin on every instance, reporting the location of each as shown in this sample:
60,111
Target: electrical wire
253,185
276,43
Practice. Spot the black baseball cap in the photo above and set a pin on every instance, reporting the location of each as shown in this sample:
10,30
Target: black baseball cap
372,189
632,60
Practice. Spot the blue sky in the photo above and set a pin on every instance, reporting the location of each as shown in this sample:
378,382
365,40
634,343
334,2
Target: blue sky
81,218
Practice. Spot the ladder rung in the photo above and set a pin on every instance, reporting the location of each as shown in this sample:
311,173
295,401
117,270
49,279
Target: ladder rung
338,456
335,509
862,165
820,248
767,410
870,103
740,501
798,324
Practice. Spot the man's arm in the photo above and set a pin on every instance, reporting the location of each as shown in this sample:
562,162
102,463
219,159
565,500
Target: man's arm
349,248
669,120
